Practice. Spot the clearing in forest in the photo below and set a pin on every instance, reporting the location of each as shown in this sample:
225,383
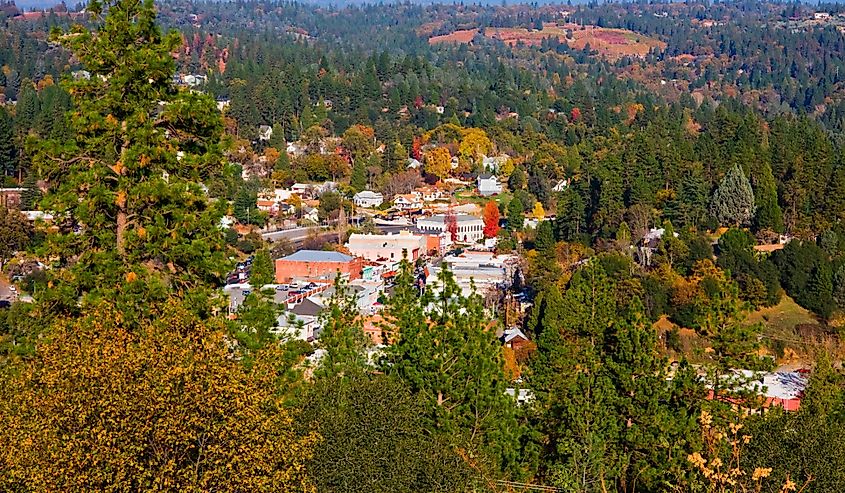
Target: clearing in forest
611,43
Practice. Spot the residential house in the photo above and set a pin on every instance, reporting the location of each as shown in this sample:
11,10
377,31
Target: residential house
429,194
367,199
470,229
310,214
414,163
317,265
304,190
514,338
492,164
407,202
265,132
271,207
276,195
387,247
560,185
488,184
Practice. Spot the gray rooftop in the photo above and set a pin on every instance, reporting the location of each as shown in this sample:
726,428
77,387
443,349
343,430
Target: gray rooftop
317,256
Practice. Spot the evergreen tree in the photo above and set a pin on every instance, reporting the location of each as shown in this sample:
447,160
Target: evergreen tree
342,335
446,353
8,151
27,109
129,175
31,194
516,215
358,179
769,215
379,441
733,201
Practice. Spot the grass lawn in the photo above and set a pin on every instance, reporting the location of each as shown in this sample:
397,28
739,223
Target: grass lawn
780,320
465,197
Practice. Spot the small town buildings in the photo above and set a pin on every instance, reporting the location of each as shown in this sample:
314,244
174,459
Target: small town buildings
387,247
317,265
821,16
488,184
429,194
368,199
277,194
407,202
313,190
271,207
470,229
484,270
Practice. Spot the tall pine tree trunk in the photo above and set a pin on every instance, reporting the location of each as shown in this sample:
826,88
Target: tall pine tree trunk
120,201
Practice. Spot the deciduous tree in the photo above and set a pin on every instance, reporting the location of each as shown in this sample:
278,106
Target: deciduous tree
108,406
491,219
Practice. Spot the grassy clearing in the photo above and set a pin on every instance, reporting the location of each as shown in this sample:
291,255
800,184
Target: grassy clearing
780,320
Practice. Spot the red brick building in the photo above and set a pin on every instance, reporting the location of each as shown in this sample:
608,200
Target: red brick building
317,265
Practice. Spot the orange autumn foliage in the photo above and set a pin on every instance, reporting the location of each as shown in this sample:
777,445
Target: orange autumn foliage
491,219
165,407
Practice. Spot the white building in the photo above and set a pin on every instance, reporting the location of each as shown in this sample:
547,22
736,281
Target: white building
484,270
276,195
368,199
429,194
560,186
488,184
470,228
390,247
407,202
493,164
265,132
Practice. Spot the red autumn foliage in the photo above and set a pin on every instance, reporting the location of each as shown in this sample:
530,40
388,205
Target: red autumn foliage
491,219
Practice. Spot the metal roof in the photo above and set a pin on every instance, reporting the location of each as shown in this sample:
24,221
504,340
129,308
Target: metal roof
317,256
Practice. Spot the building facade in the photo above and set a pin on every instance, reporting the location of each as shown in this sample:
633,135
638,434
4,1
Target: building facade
387,246
368,199
317,265
470,229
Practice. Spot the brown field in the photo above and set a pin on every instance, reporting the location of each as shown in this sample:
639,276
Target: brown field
612,43
463,36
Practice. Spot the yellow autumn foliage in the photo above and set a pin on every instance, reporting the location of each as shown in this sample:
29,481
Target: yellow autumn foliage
163,407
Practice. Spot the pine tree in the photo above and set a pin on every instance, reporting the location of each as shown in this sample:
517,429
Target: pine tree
769,215
129,175
8,151
358,180
516,215
26,111
342,335
31,194
449,356
733,201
